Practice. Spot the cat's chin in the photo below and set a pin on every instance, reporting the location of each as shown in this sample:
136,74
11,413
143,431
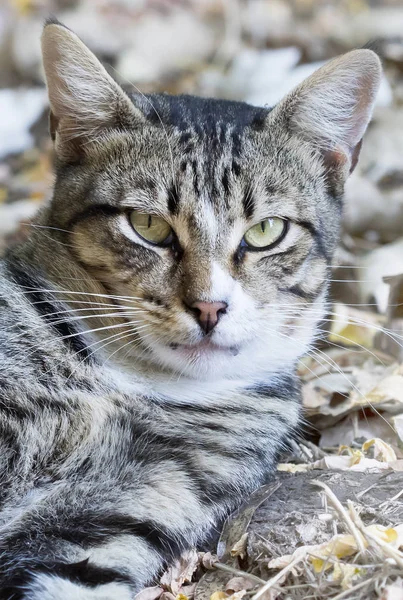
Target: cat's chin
205,347
204,359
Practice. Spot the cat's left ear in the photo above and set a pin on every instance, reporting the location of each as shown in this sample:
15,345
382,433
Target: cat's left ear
85,101
332,108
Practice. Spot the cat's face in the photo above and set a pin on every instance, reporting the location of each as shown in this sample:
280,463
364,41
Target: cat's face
195,196
212,224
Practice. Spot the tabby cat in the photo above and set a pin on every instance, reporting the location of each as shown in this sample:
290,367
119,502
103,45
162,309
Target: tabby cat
151,323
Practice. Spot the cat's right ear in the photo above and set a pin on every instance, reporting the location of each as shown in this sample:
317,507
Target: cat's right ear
85,102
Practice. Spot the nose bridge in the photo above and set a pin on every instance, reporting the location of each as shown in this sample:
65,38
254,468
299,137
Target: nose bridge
197,278
205,280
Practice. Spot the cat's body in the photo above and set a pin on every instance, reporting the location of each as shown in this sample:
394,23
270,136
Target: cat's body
147,384
111,468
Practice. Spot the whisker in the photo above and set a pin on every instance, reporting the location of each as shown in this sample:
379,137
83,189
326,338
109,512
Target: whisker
112,339
39,327
332,363
318,329
57,291
37,226
120,348
356,321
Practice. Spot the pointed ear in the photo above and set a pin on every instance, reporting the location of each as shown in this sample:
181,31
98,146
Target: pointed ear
85,101
332,108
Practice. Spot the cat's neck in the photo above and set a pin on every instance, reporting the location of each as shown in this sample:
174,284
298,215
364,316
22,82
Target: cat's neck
155,382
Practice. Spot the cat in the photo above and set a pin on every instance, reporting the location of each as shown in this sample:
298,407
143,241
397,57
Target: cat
151,323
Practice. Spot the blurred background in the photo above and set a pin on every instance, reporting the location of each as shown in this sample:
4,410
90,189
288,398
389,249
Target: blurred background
252,50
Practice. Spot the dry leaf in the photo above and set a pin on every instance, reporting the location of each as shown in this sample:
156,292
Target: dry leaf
219,596
167,596
237,595
208,559
343,463
150,593
239,549
355,455
293,468
388,393
353,327
382,450
188,591
283,561
397,424
357,462
181,572
345,574
392,592
338,547
320,391
339,394
386,534
237,584
224,596
361,426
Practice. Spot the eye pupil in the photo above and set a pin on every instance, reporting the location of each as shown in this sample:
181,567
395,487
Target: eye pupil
149,221
263,225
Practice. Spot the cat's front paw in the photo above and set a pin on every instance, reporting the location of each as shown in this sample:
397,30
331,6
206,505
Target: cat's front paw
51,587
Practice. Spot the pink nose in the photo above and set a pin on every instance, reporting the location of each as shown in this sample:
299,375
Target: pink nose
208,313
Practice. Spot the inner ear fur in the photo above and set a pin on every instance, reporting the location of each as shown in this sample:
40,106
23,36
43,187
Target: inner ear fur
85,101
332,108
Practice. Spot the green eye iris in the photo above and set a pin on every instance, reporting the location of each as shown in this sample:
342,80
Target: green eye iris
151,228
265,233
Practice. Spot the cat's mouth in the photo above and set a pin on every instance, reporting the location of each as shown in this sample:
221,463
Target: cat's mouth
205,346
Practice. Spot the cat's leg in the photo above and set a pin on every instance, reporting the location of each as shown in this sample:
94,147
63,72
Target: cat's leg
83,542
49,587
117,571
43,567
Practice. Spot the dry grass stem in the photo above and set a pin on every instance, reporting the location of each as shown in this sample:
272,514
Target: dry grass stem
238,572
387,550
390,500
343,514
272,582
355,588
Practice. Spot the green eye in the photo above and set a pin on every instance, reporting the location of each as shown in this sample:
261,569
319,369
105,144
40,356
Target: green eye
266,233
151,228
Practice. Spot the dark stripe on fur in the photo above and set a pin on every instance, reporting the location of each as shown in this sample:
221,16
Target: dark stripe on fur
225,181
236,169
196,184
173,200
96,210
83,573
88,530
296,290
317,236
248,202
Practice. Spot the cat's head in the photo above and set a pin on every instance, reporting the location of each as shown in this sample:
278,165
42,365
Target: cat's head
213,223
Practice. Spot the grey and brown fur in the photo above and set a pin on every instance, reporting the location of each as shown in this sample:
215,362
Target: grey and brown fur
123,441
